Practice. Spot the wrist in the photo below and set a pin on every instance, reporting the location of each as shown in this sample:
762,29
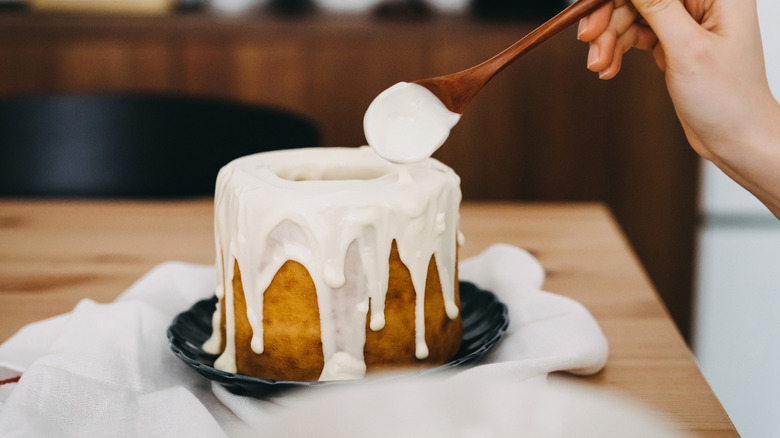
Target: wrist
752,156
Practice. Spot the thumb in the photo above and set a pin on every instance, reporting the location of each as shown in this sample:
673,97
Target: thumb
669,19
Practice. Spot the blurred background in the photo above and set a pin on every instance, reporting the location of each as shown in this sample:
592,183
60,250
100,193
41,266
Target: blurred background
544,130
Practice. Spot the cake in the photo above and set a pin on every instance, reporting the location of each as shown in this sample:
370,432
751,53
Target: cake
333,262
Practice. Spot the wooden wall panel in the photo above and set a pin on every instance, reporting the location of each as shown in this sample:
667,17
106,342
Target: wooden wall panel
111,65
275,74
26,67
207,68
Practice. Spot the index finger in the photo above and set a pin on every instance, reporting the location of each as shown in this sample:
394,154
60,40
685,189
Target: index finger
595,23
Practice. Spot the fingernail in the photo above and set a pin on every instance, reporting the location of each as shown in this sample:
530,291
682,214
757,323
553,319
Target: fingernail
593,55
583,26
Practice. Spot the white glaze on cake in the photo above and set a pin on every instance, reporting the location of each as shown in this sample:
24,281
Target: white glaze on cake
336,211
407,123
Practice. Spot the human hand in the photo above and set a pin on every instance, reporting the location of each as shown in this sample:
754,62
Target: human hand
711,53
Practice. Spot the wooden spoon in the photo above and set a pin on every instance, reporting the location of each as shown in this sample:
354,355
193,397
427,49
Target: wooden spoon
458,89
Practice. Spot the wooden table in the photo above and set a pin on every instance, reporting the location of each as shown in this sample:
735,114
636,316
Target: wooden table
54,253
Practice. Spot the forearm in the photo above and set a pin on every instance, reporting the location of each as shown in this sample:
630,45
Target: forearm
752,156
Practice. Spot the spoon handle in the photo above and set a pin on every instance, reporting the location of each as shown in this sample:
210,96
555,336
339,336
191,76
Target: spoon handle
552,27
456,90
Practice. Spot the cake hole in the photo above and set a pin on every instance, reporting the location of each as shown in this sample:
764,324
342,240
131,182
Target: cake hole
333,173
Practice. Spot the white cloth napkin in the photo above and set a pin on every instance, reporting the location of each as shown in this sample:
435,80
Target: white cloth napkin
107,370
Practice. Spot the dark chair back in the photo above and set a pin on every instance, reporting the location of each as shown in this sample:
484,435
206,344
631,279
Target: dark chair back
145,146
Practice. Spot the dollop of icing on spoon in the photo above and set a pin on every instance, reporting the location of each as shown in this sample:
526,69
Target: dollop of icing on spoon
407,123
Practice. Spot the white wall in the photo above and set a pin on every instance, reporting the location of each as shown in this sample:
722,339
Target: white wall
737,323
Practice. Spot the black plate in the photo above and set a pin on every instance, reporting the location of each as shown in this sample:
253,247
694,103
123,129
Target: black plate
485,320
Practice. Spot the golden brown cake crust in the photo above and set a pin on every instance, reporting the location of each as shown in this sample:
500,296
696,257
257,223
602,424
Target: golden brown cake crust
394,345
291,326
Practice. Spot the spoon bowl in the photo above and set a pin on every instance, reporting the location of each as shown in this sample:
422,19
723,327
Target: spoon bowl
410,121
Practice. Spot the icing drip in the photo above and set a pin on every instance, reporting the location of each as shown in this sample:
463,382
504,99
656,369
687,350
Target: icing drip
336,211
